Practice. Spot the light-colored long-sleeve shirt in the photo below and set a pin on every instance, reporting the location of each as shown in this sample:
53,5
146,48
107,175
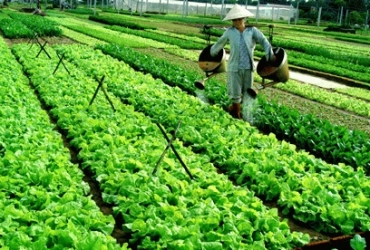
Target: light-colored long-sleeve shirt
251,35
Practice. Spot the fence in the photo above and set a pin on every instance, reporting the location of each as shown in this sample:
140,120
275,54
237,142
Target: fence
272,12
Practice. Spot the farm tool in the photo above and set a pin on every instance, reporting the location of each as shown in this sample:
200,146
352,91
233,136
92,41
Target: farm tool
100,86
276,71
170,145
42,46
61,62
210,65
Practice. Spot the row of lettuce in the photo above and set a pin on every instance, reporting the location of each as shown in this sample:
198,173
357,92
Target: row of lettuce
330,198
44,202
166,209
333,143
18,25
137,224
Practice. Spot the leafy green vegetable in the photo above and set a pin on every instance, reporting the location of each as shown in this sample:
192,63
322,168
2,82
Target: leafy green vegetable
358,243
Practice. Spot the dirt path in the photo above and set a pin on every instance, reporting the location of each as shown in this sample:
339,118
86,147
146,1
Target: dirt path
315,80
311,79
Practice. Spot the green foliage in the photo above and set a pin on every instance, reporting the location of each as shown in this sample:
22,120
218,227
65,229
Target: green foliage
14,29
43,201
82,11
356,18
165,209
189,44
264,177
358,243
118,21
333,143
38,24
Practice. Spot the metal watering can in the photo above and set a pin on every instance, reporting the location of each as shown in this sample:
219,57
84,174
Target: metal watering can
276,71
210,65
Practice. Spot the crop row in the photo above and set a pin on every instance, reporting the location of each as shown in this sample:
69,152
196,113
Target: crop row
185,44
167,209
312,49
322,195
44,201
334,99
356,92
330,44
119,38
26,26
108,35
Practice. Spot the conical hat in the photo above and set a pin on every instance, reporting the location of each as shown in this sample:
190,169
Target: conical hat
238,12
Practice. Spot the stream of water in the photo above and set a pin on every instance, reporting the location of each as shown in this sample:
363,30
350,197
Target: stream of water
201,95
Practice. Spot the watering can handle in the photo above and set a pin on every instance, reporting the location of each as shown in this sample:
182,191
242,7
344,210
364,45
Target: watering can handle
277,50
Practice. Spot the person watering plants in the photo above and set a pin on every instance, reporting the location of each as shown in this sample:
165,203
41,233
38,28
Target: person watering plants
242,40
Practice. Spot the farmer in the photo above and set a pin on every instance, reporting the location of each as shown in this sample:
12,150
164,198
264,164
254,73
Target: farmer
240,66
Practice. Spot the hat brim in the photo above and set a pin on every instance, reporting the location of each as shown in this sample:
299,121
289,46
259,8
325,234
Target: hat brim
238,13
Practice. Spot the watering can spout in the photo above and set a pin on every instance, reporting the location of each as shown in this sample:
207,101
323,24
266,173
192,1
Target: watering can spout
199,84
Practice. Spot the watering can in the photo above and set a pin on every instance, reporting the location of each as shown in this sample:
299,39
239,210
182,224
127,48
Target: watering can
276,71
211,65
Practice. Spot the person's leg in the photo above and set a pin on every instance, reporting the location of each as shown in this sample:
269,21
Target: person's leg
247,80
234,90
234,86
248,101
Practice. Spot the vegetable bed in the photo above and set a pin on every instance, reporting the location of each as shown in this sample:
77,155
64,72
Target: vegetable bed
167,209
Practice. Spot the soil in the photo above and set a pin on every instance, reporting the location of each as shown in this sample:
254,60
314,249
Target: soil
48,40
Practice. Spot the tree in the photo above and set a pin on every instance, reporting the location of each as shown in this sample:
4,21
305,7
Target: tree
340,3
355,18
358,5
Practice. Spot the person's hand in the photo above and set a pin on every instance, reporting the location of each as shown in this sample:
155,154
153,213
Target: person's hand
270,58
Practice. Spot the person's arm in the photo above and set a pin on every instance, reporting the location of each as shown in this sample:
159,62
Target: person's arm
261,39
219,45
